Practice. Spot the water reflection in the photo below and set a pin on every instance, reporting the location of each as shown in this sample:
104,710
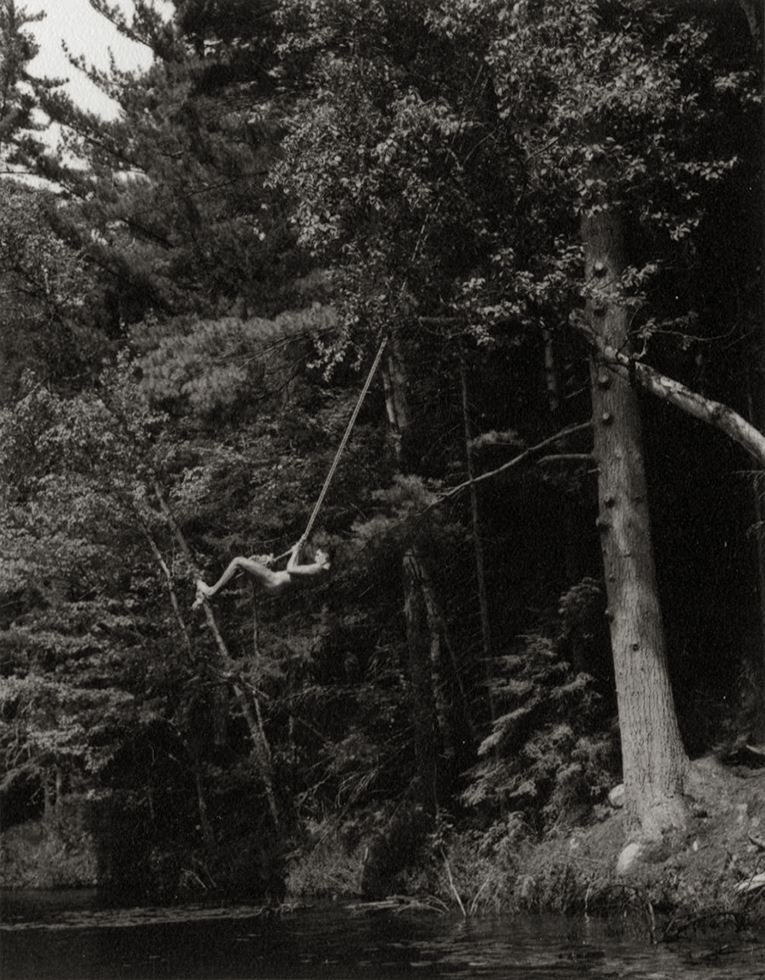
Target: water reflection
65,936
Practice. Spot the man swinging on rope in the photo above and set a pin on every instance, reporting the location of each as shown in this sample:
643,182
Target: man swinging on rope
271,581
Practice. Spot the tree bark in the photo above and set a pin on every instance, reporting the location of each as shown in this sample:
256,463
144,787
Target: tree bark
654,760
419,624
737,428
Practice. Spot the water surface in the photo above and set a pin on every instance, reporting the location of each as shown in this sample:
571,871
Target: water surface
72,936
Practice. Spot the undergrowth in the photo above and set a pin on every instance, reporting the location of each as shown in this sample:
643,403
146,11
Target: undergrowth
551,754
329,865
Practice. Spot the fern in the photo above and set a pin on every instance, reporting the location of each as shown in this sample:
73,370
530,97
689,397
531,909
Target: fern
547,752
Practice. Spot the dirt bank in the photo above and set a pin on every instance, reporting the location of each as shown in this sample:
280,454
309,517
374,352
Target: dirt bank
704,875
708,871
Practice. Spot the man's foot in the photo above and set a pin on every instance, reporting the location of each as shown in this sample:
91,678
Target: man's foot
203,591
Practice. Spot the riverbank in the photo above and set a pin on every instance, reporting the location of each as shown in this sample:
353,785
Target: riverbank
713,870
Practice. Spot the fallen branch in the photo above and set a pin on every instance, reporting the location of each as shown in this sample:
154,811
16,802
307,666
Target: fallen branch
398,904
752,883
691,402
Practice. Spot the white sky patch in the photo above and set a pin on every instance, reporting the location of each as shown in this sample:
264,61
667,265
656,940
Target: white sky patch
85,33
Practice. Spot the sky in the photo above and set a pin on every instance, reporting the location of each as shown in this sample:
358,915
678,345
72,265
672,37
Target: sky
85,33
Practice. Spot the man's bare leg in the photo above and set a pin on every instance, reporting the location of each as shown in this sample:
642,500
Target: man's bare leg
254,568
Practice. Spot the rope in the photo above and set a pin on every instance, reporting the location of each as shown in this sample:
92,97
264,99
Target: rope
420,239
343,443
346,437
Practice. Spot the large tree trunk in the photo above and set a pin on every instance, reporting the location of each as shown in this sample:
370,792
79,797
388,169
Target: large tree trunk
654,760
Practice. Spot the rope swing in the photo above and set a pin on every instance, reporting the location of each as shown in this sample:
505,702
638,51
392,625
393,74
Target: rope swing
343,444
344,440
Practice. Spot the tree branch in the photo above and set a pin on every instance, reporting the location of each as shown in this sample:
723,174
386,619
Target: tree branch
691,402
515,461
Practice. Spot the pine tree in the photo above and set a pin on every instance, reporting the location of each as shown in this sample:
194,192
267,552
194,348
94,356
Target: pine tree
173,209
21,144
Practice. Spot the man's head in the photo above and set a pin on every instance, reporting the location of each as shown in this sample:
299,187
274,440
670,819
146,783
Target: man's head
322,558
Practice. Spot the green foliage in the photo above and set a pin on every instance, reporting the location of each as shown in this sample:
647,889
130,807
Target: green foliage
388,158
331,862
20,145
54,724
52,854
481,867
216,367
548,755
172,207
610,104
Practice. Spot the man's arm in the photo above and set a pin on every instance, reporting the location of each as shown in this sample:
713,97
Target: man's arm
304,571
294,557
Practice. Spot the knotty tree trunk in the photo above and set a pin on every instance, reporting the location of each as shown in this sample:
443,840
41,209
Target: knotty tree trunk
654,760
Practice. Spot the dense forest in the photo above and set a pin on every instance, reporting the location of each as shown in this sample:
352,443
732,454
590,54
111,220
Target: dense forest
466,295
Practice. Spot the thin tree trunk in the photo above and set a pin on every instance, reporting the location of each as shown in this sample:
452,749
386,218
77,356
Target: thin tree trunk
204,821
654,760
256,660
261,749
48,804
478,553
551,374
154,547
59,803
424,714
439,637
418,625
397,404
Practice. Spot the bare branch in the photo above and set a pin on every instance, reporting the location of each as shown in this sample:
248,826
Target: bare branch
515,461
706,409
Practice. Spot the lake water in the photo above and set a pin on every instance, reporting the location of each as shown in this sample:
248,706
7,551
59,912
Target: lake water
70,936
